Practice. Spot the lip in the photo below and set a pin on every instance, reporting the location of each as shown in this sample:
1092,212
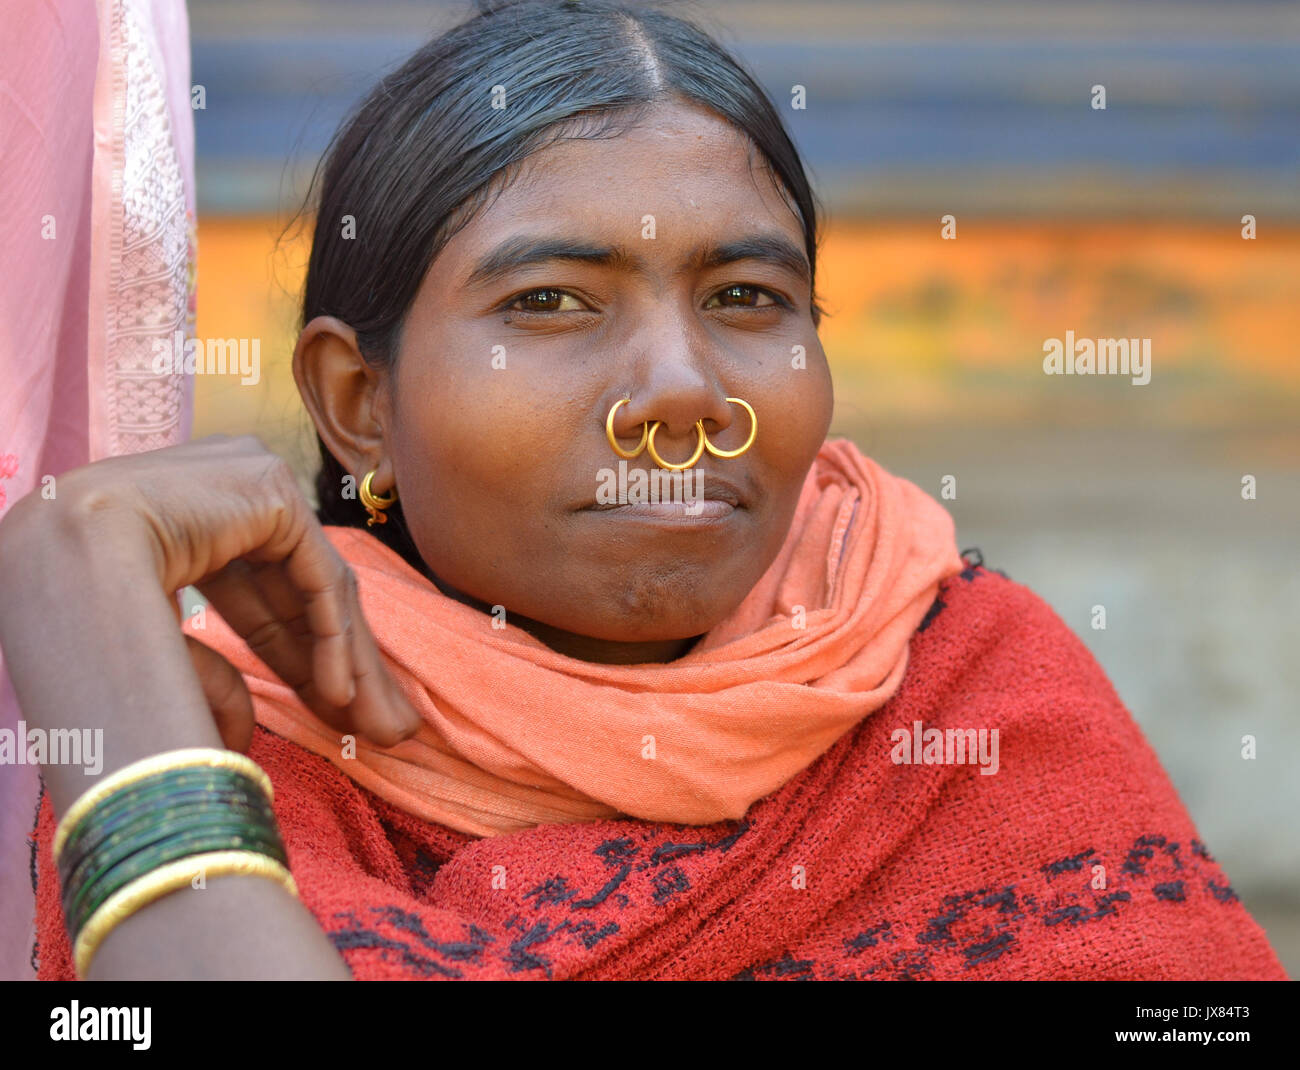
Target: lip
705,511
717,491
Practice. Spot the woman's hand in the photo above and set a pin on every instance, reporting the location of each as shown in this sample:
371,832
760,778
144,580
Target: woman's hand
89,628
226,516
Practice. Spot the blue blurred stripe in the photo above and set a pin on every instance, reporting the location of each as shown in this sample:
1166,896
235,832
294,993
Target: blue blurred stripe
875,109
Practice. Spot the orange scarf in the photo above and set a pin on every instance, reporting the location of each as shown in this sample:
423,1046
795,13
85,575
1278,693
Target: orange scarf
517,735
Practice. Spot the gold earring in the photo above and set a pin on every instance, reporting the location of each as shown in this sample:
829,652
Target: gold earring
375,506
699,448
753,431
609,433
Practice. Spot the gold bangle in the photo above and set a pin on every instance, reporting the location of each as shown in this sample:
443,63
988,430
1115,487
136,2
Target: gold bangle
156,763
166,879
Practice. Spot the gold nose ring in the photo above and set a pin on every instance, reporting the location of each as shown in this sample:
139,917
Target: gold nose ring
648,438
609,433
654,454
753,431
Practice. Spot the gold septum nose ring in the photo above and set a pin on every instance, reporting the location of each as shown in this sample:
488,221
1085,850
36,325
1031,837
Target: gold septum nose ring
648,438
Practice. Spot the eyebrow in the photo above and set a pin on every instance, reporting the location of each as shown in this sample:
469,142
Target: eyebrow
519,252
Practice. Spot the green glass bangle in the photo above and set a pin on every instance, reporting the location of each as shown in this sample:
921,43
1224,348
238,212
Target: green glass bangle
157,786
96,865
158,819
95,832
92,895
106,787
160,801
163,783
138,828
159,856
185,774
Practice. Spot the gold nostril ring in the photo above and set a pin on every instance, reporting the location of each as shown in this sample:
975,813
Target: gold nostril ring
654,454
753,431
613,441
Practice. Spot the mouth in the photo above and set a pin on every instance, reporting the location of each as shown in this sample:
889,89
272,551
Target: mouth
702,511
715,499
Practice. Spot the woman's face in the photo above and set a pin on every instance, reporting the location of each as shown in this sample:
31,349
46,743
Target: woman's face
658,266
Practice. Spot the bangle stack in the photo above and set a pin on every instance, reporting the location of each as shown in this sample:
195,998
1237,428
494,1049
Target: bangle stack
155,827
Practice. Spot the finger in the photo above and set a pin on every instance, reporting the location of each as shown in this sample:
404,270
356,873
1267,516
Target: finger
349,685
377,709
240,593
241,599
380,710
282,596
324,583
227,695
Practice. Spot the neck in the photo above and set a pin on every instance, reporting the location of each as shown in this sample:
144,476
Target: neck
582,647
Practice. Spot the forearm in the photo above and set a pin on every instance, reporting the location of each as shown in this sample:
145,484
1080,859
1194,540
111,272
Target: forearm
92,643
235,928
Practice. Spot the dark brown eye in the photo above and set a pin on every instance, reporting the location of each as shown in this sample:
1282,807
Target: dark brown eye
545,301
741,296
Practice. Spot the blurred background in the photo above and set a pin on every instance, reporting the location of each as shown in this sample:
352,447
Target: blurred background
1120,222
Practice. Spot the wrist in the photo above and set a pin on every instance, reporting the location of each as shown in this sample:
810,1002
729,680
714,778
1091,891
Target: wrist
82,532
93,648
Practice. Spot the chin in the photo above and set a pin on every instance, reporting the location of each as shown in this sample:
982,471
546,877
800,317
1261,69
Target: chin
665,612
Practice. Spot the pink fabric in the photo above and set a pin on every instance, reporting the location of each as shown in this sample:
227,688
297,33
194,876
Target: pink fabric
97,179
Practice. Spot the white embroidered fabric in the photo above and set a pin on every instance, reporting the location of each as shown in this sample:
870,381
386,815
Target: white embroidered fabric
151,286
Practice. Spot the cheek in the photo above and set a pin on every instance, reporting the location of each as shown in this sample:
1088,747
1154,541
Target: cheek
475,454
798,402
458,421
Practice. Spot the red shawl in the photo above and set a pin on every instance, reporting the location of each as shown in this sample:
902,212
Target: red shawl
1076,860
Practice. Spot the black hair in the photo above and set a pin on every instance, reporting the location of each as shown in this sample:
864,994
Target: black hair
425,149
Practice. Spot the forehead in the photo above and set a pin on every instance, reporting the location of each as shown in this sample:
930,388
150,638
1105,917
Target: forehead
695,173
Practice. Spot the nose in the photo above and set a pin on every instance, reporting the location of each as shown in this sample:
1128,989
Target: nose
674,380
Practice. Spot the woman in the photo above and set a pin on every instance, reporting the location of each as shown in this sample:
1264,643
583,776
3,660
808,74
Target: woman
516,727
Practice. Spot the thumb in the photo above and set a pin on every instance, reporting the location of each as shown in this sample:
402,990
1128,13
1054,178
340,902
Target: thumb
227,695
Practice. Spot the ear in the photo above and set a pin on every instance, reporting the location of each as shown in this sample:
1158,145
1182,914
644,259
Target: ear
346,398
